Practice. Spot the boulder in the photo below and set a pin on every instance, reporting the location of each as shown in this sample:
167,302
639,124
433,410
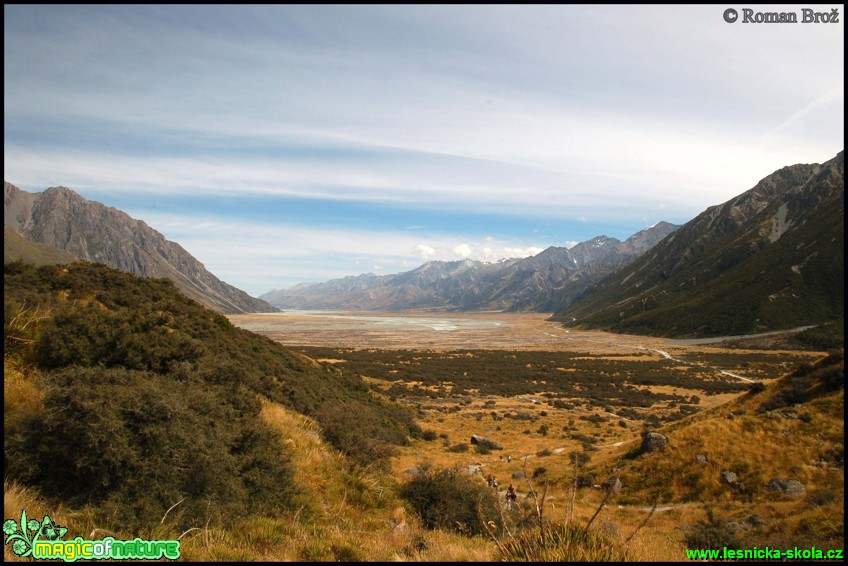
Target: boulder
728,477
652,442
613,484
792,488
486,442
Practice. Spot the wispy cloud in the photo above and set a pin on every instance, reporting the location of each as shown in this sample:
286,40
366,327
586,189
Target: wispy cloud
587,118
259,256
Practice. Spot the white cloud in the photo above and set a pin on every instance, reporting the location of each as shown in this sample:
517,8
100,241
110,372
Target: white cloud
511,110
257,257
489,254
463,250
424,251
522,252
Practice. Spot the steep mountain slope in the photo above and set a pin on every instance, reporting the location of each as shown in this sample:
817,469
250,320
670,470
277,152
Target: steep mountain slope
543,282
772,258
90,231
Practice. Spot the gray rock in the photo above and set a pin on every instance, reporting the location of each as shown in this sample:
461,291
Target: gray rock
701,459
652,442
728,477
792,488
487,442
414,470
613,484
519,475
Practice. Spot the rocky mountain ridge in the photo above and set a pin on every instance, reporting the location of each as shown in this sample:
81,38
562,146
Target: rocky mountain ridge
544,282
768,259
91,231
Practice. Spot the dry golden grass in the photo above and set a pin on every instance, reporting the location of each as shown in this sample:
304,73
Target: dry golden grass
79,522
345,514
21,397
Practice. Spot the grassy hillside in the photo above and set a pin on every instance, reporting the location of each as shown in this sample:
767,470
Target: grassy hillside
132,397
791,429
18,248
340,513
130,410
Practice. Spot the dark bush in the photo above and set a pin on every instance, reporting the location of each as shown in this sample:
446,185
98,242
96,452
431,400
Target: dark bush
585,480
712,534
429,435
821,496
447,499
757,387
134,444
105,318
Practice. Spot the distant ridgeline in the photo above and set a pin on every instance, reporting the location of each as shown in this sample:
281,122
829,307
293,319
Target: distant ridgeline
136,397
544,282
771,258
61,219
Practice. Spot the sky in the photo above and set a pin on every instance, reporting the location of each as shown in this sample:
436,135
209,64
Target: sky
286,144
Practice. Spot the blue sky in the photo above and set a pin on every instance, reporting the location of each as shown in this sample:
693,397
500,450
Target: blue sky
282,144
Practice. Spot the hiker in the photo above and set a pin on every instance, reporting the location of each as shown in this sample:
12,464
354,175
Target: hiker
510,496
495,483
490,480
509,458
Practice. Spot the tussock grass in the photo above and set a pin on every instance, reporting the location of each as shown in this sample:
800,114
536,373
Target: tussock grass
17,497
22,398
564,543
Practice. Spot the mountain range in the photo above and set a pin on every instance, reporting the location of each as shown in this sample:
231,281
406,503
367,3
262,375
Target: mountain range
61,219
543,282
771,258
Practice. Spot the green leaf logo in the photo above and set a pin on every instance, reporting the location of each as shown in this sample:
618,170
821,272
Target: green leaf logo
30,531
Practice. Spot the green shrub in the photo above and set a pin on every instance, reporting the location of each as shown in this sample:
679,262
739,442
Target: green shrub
101,317
135,443
429,435
447,499
482,449
712,534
